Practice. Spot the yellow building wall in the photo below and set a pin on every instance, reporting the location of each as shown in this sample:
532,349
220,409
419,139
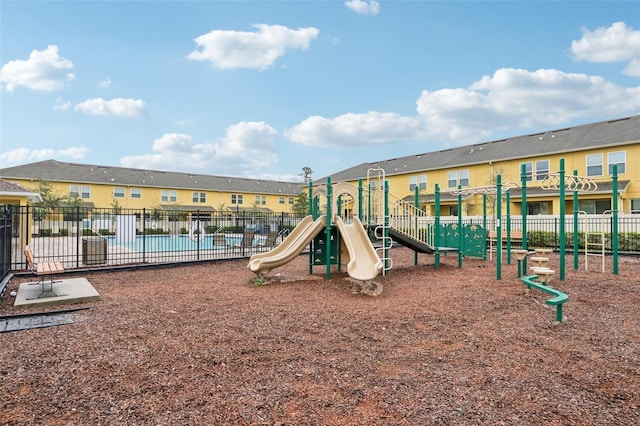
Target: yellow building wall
480,175
102,196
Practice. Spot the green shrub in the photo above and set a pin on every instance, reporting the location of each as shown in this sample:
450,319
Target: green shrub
183,230
64,232
87,232
45,232
541,239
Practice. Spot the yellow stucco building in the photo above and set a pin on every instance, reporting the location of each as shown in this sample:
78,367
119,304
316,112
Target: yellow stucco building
590,150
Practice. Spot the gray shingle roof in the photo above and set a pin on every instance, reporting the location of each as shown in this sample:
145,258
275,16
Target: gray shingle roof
622,131
58,171
8,188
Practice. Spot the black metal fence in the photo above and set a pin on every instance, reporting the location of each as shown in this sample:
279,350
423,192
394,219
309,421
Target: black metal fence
97,238
5,248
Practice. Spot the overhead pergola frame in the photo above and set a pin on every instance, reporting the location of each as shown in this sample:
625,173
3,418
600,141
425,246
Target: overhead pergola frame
482,190
552,181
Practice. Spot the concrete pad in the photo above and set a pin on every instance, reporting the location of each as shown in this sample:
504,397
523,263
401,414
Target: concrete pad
70,290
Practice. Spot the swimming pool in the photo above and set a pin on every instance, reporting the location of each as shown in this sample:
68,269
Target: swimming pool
163,243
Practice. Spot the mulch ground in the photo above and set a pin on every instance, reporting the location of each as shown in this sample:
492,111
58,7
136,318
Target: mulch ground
201,344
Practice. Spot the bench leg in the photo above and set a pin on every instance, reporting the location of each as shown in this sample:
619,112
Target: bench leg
46,292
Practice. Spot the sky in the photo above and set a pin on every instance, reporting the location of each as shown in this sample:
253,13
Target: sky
261,89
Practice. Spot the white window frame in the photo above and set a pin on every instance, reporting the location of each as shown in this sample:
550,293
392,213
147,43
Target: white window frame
528,170
591,160
135,193
542,172
463,178
622,165
236,199
86,191
452,179
261,200
118,192
74,191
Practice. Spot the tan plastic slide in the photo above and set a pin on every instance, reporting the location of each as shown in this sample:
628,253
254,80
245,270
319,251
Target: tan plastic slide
364,263
290,248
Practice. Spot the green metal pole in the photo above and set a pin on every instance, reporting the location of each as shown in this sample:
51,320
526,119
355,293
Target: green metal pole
523,181
436,226
484,225
338,245
386,226
416,203
312,247
614,224
562,224
327,242
576,228
498,227
460,230
508,201
360,198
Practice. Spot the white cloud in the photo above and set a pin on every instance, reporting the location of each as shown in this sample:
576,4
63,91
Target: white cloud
255,50
517,98
61,105
246,149
26,155
617,43
356,130
363,7
118,107
507,100
45,70
105,83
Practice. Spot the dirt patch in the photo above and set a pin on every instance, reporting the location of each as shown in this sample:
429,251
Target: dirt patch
201,344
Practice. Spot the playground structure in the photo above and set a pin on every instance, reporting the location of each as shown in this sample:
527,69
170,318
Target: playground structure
341,233
595,238
341,219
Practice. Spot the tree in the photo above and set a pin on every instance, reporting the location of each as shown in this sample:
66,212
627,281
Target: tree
116,207
306,174
301,204
50,199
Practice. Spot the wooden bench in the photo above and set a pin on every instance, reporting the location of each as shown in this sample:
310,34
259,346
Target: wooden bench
43,270
492,236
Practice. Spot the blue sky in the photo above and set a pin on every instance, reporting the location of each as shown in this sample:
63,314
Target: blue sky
265,88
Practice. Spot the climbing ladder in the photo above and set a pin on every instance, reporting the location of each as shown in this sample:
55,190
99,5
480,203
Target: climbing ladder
376,215
595,240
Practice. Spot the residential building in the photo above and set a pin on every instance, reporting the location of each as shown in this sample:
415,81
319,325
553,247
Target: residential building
589,150
107,187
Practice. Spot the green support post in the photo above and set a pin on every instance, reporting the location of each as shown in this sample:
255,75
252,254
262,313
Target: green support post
614,218
311,213
460,230
328,229
523,181
562,222
498,227
360,198
386,227
576,228
484,225
436,225
508,206
339,213
416,203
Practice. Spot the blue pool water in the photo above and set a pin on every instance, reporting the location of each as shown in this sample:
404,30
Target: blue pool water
162,243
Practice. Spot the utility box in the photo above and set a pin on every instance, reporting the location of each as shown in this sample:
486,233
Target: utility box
94,250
